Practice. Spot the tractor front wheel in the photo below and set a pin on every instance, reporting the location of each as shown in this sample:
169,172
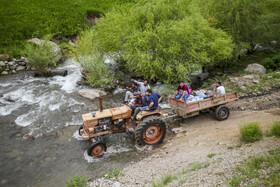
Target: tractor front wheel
151,131
97,149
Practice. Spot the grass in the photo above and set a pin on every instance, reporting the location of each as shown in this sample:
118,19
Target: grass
275,129
23,19
250,132
171,177
230,147
259,171
77,181
115,174
211,155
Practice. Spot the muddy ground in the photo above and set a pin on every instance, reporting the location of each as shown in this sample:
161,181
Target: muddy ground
197,138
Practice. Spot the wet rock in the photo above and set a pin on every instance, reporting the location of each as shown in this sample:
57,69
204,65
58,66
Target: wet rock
9,99
255,68
2,64
249,77
90,93
20,68
5,73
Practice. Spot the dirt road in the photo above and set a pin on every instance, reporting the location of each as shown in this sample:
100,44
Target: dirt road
199,137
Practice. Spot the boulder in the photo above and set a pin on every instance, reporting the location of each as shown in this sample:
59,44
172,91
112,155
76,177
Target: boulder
255,68
243,88
256,81
2,64
248,77
20,67
5,73
11,63
90,93
55,48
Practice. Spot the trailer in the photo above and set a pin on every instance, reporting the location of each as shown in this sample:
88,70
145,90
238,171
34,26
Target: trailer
215,104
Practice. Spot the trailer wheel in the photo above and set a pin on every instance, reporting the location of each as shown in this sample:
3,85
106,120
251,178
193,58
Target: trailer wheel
97,149
151,131
222,112
81,127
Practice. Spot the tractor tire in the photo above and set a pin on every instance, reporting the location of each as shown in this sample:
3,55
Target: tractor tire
222,112
97,149
81,127
151,131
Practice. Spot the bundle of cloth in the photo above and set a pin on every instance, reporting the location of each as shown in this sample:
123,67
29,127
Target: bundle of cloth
199,95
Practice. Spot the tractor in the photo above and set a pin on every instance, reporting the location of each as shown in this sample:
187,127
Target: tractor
149,128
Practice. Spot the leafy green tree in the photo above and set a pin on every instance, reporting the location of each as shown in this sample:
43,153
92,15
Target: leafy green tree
161,40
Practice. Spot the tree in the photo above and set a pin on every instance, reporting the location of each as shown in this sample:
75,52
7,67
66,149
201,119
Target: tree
161,40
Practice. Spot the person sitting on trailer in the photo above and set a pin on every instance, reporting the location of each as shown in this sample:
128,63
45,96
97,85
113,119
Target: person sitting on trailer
182,92
131,92
220,89
153,100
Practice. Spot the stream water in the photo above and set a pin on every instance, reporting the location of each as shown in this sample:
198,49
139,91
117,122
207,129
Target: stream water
50,110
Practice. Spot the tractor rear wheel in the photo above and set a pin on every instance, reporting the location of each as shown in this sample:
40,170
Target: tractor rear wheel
222,112
151,131
97,149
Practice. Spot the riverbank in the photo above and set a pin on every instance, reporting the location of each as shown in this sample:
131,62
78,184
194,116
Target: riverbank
206,149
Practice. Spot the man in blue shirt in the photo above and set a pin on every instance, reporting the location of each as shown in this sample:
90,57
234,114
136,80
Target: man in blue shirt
153,100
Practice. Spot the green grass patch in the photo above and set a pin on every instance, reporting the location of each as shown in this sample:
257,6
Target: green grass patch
211,155
259,171
115,174
230,147
250,132
165,180
275,129
77,181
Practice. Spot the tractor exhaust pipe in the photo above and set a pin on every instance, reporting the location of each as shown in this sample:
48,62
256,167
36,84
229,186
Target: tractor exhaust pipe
100,102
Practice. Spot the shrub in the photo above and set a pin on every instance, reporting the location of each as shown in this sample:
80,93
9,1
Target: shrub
41,56
77,181
115,174
272,63
250,132
275,129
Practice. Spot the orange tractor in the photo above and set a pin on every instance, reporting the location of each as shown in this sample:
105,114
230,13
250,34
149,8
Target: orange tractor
149,127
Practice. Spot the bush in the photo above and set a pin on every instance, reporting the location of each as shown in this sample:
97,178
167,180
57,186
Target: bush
272,63
275,129
41,56
78,181
250,132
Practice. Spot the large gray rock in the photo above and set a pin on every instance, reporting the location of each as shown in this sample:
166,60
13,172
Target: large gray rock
90,93
55,48
255,68
2,64
5,73
19,68
11,63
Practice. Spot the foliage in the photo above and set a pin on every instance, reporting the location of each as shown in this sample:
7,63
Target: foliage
77,181
250,132
272,63
211,155
248,21
41,56
275,129
259,171
115,174
98,74
160,40
23,19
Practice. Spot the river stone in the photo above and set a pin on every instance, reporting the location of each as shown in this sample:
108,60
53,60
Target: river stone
255,68
13,71
5,73
2,64
90,93
11,63
248,77
55,47
19,68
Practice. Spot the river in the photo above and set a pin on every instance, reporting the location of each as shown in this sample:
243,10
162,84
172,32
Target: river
50,110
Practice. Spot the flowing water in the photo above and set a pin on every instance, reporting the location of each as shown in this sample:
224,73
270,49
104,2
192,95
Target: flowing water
50,109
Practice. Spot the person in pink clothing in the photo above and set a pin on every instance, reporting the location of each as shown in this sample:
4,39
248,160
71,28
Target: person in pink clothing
182,92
